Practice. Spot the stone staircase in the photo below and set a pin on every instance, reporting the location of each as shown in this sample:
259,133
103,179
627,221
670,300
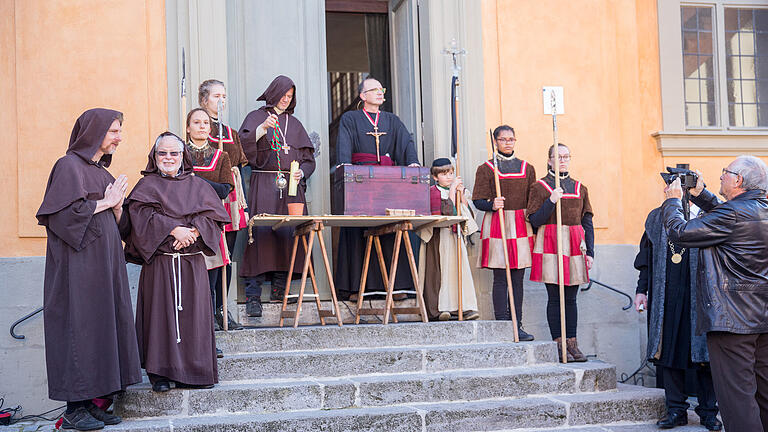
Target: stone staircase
454,376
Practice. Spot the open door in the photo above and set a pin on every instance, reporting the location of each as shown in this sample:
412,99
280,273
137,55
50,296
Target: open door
406,80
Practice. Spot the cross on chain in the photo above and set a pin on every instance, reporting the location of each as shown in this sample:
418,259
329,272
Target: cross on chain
285,147
376,134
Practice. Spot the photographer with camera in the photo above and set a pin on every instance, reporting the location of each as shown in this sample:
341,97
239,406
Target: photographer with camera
732,284
666,288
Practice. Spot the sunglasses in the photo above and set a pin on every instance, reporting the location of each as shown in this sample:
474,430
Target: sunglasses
165,153
382,90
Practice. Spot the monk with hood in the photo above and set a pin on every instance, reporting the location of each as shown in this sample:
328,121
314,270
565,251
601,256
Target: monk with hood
90,340
272,138
176,218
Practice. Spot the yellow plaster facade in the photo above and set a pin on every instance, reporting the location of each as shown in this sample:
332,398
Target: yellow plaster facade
61,57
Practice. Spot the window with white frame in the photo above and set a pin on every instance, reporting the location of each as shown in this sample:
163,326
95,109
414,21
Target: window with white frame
725,65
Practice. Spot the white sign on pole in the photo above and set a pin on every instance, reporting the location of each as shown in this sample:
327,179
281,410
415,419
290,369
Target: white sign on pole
547,100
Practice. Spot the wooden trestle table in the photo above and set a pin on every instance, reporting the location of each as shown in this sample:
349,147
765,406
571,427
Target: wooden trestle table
309,227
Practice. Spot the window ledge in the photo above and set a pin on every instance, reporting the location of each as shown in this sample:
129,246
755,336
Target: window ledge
712,143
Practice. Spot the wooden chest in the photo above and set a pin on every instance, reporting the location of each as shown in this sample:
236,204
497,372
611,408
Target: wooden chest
371,189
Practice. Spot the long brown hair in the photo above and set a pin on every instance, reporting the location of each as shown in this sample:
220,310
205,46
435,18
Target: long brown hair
189,117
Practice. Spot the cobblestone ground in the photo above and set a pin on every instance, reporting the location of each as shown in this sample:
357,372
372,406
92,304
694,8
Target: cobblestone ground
29,427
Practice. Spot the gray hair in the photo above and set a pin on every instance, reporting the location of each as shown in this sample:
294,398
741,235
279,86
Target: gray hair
205,90
171,136
753,171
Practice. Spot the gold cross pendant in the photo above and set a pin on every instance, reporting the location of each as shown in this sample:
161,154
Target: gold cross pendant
376,134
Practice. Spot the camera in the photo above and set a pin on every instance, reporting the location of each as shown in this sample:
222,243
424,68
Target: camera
687,177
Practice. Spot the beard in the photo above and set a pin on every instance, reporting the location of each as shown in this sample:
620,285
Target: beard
171,171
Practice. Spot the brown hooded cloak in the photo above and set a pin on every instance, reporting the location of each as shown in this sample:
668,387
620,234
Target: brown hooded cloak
90,341
174,319
271,250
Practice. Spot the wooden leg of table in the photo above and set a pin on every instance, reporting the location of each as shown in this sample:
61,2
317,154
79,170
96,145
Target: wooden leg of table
392,275
314,284
415,275
328,271
307,259
288,279
383,267
363,278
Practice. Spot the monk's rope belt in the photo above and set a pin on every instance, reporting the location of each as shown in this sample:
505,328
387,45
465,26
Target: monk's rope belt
176,266
271,171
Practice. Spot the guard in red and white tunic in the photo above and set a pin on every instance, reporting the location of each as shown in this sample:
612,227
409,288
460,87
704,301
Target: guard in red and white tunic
515,177
578,240
212,96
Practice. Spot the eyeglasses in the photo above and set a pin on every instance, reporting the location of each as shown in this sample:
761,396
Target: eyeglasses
381,89
564,158
506,140
165,153
726,170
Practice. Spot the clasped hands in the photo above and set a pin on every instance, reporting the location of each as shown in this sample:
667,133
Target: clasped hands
184,236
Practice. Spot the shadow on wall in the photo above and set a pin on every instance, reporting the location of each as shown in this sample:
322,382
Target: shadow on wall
22,362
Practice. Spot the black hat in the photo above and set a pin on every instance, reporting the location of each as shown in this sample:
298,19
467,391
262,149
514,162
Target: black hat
439,162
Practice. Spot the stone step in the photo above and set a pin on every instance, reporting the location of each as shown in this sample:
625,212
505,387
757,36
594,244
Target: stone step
363,336
430,358
628,405
267,396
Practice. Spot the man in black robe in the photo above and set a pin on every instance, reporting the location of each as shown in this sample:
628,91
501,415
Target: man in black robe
176,218
667,289
90,341
359,133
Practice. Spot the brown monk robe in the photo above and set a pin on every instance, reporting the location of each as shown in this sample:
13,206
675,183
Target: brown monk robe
90,341
174,321
271,249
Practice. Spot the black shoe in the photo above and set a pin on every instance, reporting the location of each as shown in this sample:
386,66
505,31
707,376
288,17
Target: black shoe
253,307
193,386
523,335
233,325
82,420
711,423
161,386
673,419
103,416
219,353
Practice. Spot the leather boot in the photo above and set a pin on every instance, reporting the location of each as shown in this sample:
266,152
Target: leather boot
573,349
253,306
569,357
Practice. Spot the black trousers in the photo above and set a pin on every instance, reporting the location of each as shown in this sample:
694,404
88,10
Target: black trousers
553,310
740,374
676,397
214,275
253,284
501,295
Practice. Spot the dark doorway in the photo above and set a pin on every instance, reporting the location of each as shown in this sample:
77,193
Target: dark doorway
357,45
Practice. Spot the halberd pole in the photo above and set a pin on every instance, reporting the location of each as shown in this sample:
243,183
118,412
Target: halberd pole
503,230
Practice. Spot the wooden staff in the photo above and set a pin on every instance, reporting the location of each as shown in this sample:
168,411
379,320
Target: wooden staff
455,52
225,319
503,229
459,196
559,217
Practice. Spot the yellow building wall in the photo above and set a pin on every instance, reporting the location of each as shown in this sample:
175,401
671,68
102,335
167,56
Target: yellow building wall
60,58
605,54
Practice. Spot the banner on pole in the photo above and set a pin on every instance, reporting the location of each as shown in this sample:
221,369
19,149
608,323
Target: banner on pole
547,100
